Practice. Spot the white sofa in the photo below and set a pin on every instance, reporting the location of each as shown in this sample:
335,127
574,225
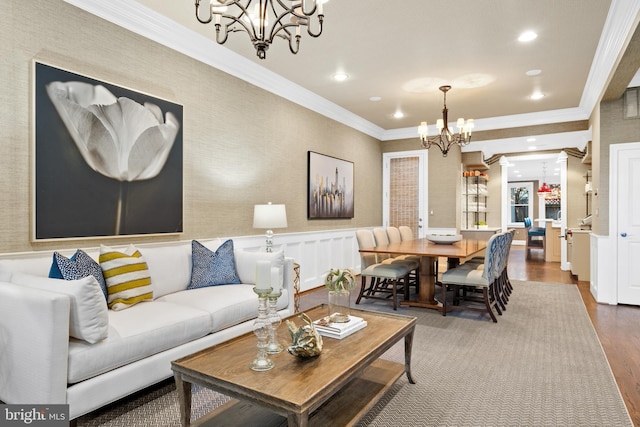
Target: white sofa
40,363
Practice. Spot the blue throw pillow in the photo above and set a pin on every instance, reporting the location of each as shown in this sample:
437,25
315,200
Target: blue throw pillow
79,266
212,268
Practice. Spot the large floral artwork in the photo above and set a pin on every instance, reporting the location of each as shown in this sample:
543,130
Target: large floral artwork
108,160
330,187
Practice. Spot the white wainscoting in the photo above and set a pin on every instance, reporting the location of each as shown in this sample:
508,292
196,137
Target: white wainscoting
315,251
603,283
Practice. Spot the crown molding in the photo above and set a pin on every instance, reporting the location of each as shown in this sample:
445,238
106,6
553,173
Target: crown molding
554,141
504,122
133,16
148,23
618,29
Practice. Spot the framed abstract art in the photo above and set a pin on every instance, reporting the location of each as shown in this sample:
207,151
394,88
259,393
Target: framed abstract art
330,187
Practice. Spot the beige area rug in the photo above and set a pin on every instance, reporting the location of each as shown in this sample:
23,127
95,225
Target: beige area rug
540,365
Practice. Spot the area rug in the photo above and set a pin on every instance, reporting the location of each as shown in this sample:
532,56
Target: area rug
540,365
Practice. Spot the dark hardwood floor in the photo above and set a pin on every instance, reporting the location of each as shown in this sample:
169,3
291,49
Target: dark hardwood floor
616,325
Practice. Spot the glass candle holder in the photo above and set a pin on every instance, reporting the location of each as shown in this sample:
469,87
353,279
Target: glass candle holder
262,330
273,347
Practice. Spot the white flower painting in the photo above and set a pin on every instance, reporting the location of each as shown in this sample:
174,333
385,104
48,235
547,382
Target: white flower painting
107,158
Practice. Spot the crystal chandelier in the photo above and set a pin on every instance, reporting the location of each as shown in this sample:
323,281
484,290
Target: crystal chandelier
262,20
445,138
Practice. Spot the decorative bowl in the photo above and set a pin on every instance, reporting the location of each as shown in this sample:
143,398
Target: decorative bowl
444,239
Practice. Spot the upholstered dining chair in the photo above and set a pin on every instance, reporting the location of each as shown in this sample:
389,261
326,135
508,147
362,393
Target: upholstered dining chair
394,236
385,278
475,277
406,233
536,238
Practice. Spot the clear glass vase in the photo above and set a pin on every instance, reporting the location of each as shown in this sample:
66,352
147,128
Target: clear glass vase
339,304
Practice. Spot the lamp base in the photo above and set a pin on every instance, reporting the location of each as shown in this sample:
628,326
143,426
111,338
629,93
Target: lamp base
269,240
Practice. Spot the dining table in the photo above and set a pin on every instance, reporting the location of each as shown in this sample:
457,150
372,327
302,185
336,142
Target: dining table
429,252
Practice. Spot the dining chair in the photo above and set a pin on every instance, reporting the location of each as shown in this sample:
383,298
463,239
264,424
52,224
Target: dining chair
406,233
411,261
385,278
536,238
471,277
505,282
394,236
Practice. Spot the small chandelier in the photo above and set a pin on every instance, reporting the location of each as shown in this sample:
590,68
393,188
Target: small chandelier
264,21
445,138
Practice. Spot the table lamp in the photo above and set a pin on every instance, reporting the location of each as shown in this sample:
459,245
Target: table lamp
269,216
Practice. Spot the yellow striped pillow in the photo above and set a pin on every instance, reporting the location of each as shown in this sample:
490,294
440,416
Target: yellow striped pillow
127,276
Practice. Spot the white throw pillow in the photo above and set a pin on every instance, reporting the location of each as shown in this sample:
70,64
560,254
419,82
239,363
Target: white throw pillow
89,317
246,262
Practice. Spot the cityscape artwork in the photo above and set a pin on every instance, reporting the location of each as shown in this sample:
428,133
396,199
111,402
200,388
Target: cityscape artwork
330,186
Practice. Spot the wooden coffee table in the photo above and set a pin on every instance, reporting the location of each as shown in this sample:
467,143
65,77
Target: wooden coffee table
336,388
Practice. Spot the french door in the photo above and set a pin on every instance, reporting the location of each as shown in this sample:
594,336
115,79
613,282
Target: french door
404,186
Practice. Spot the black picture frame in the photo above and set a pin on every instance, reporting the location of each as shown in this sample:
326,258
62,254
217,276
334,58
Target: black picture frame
71,199
330,184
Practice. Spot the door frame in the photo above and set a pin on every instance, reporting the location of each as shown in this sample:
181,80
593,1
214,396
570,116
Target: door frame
561,159
423,199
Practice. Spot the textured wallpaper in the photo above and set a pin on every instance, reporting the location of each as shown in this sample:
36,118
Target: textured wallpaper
242,145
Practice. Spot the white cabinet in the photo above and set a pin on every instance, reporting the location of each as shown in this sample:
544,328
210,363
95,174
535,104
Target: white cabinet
580,250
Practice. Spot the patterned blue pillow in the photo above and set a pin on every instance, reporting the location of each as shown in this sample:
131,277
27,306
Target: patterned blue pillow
212,268
79,266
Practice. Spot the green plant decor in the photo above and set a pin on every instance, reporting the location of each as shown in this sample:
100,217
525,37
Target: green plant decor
340,279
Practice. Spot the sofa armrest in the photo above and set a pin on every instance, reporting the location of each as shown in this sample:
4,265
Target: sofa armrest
34,345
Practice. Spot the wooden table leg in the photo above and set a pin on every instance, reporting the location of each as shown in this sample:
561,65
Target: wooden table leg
298,420
427,286
408,345
184,398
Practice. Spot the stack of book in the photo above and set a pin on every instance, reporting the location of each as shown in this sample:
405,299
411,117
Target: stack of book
339,330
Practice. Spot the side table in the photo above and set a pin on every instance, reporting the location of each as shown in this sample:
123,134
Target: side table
296,287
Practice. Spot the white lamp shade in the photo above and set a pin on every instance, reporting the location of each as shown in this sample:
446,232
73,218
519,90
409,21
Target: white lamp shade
269,216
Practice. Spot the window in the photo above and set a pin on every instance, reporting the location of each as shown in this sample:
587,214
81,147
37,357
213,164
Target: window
520,202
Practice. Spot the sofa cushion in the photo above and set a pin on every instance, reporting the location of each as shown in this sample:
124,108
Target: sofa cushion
169,266
127,277
228,305
78,266
138,332
212,268
246,263
88,319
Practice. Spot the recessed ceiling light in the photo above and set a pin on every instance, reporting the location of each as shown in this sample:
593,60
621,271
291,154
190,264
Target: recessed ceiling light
527,36
536,95
375,98
531,139
340,77
532,147
532,73
398,114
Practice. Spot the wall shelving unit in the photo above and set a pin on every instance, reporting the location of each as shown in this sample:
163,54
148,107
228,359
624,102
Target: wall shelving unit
474,202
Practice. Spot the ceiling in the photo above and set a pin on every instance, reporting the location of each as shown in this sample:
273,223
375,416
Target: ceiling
402,54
